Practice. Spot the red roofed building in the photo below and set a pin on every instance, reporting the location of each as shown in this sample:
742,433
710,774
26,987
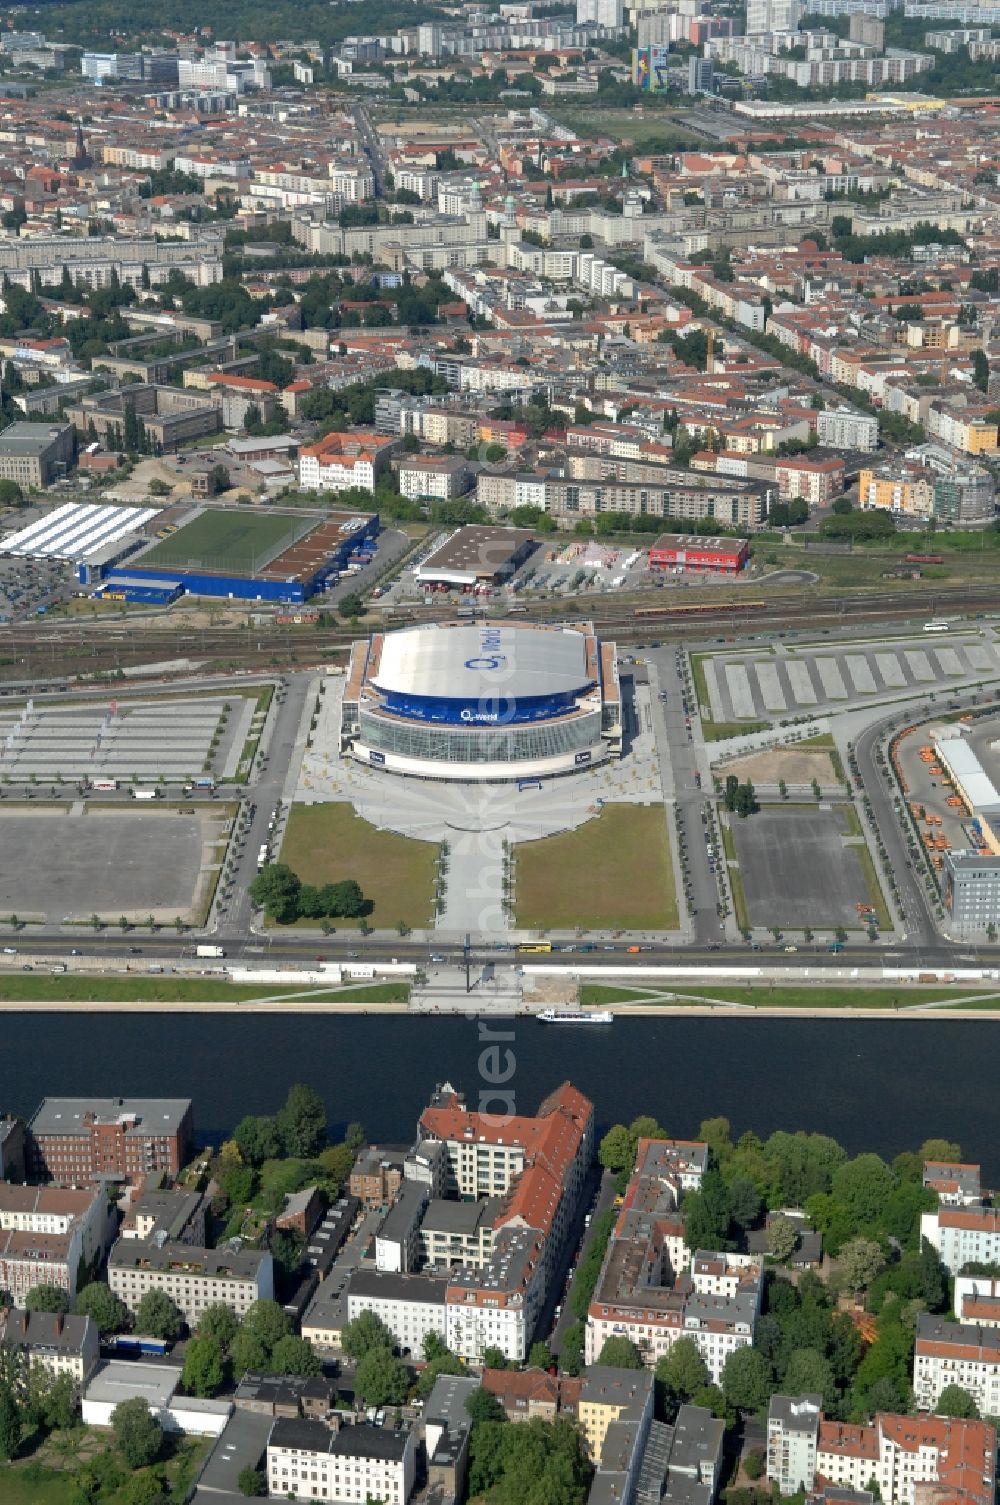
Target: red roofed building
957,1353
913,1460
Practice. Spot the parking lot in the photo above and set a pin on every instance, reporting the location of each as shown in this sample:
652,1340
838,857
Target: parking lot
800,866
26,585
795,681
69,863
134,742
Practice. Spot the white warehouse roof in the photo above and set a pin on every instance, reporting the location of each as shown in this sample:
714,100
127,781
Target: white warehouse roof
76,530
964,766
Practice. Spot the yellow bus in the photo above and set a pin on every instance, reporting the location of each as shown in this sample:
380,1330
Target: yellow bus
535,946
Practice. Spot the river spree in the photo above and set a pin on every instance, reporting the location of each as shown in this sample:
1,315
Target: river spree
882,1085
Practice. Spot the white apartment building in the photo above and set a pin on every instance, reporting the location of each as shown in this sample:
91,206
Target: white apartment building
306,1460
58,1343
963,1235
843,428
83,1215
411,1306
792,1441
949,1353
765,16
193,1278
46,1234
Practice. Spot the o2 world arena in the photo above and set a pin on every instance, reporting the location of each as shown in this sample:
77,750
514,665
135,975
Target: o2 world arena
483,701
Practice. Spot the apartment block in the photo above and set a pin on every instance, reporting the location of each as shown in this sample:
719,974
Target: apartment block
900,1453
411,1306
307,1460
977,1300
793,1441
84,1217
173,1214
377,1176
653,1291
846,428
12,1148
58,1343
78,1140
194,1279
963,1235
339,462
956,1185
609,1395
953,1353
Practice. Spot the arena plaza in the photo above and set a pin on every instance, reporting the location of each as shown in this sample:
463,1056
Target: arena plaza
482,701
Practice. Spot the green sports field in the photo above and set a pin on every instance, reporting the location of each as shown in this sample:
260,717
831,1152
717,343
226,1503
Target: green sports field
237,542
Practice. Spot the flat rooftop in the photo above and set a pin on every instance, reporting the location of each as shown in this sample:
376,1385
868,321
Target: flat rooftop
477,549
74,1115
27,440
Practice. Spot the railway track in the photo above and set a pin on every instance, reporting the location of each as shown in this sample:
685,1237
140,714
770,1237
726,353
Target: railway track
63,649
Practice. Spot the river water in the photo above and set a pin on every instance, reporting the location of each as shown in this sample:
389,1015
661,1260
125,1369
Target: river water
882,1085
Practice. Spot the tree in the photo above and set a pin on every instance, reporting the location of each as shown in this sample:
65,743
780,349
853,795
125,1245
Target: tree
981,370
617,1149
744,1202
294,1355
302,1121
10,1423
482,1405
620,1353
753,1463
11,494
158,1316
248,1351
954,1401
354,1137
267,1321
258,1138
364,1334
809,1373
218,479
138,1434
100,1303
351,606
143,1489
539,1356
706,1214
250,1482
746,1379
381,1379
862,1186
782,1236
276,890
47,1298
860,1259
53,1400
203,1372
218,1321
683,1369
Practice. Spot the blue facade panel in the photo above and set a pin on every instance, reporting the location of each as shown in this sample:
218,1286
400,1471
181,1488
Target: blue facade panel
249,588
503,710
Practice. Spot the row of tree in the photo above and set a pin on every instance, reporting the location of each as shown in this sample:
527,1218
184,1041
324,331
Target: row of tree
284,898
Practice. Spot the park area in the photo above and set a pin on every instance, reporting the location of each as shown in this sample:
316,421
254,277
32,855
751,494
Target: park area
328,843
612,873
803,865
235,541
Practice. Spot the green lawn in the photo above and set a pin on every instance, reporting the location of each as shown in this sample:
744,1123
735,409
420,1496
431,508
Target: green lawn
227,540
781,997
718,731
327,843
25,988
613,872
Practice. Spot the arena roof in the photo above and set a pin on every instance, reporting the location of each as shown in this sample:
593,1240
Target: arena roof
483,660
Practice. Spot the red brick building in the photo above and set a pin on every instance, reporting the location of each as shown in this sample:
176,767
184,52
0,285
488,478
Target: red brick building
681,551
77,1140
